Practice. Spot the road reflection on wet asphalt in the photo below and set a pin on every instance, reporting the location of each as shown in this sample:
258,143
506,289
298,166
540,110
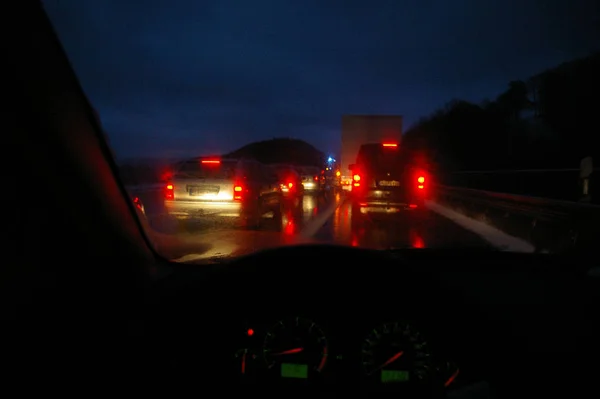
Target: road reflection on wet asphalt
402,230
316,219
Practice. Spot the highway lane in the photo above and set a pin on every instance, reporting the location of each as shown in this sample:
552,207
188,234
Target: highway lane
317,220
211,237
431,230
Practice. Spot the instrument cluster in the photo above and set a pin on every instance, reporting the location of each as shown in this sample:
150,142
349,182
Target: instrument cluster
298,350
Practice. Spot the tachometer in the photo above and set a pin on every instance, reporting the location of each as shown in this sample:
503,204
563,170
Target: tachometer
396,352
295,348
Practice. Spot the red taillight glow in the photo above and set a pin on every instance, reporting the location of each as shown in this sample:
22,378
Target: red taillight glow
356,177
290,185
137,202
237,192
211,161
421,181
316,178
391,145
169,191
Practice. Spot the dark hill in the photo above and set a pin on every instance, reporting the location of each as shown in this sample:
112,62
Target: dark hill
291,151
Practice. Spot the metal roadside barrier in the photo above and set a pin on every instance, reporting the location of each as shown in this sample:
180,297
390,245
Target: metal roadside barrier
550,225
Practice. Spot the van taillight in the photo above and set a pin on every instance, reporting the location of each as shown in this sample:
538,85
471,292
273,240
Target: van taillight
356,179
169,191
421,181
237,192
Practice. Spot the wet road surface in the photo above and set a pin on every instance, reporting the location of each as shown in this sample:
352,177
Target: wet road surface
317,219
404,230
209,237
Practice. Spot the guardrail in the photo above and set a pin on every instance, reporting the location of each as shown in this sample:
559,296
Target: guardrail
550,225
562,184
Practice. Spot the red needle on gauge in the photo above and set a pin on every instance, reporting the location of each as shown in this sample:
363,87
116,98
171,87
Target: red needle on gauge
288,352
390,360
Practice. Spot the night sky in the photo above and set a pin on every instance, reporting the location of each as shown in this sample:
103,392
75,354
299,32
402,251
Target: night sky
181,78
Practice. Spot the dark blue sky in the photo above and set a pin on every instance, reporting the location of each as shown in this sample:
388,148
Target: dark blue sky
185,77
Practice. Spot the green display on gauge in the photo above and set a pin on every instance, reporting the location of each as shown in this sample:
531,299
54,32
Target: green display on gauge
291,370
394,376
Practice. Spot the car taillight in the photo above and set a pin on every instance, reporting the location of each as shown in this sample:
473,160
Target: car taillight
356,179
421,181
316,178
169,191
290,185
237,192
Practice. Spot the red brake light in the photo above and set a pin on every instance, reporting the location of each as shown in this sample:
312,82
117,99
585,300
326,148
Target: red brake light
237,192
356,179
290,184
169,191
316,178
211,161
392,145
421,181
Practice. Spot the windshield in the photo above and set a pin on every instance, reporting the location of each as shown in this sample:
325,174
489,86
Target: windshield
375,158
240,126
203,169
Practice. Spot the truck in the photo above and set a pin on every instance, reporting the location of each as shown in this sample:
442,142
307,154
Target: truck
365,129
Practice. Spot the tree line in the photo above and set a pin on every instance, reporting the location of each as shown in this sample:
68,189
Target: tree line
549,121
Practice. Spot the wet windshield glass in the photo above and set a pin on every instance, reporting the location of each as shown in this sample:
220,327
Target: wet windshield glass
206,169
482,115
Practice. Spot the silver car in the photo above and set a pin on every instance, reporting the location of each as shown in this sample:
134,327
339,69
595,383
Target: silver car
310,178
243,189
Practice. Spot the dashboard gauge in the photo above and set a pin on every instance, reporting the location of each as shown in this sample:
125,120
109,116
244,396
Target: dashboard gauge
396,352
449,371
295,348
245,361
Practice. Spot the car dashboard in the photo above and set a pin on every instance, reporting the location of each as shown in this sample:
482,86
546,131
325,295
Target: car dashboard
344,318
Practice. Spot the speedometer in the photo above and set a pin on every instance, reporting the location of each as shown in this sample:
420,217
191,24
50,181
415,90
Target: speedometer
295,348
396,352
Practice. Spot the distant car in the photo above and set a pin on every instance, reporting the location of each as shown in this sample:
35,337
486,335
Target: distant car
310,178
327,180
290,182
243,189
385,180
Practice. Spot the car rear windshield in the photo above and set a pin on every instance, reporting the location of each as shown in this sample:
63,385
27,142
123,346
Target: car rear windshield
285,171
199,170
379,159
310,171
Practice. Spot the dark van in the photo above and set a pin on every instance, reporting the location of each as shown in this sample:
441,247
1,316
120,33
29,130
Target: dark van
386,180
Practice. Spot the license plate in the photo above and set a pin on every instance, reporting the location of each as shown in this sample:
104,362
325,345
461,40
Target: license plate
389,183
201,190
